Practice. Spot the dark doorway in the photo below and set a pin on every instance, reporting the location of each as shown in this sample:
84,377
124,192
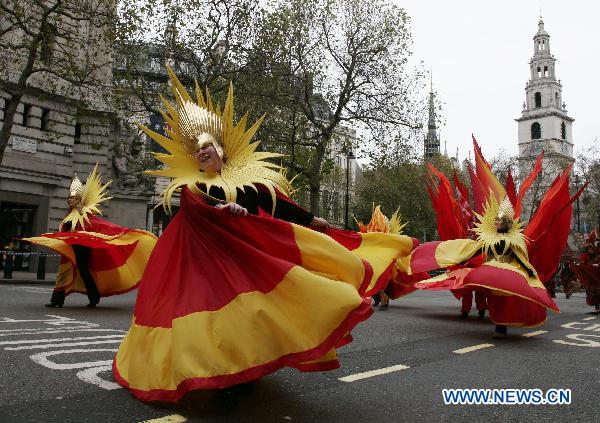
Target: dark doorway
16,221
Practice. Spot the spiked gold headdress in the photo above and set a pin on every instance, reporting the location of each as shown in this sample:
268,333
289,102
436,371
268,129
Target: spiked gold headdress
76,189
92,194
243,166
506,212
488,235
380,223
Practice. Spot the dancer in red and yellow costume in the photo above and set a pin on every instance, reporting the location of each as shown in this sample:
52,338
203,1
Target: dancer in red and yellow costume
399,283
231,295
98,258
504,262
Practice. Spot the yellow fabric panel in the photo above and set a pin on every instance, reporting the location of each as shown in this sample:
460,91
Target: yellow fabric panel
324,256
381,250
253,329
403,265
126,276
455,251
57,245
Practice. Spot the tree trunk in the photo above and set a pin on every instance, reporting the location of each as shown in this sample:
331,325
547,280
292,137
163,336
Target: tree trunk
315,178
7,122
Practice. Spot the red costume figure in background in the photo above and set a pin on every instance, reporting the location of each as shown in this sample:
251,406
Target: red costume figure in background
517,262
588,273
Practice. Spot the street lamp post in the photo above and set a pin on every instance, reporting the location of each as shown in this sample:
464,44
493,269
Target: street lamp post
349,156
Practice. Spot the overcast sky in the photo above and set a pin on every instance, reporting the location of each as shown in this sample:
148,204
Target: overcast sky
479,52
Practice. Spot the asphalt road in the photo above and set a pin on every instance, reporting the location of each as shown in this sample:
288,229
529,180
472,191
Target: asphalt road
54,367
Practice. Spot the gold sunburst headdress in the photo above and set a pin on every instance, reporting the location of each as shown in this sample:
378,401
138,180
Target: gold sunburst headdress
490,237
89,195
380,223
189,122
76,189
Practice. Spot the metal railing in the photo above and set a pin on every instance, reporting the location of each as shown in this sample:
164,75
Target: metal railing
7,257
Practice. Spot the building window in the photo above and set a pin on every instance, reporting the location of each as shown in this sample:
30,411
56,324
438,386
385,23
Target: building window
536,131
538,99
26,113
45,119
543,44
563,131
545,70
539,70
77,139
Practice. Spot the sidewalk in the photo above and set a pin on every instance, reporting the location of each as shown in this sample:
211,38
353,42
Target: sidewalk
27,278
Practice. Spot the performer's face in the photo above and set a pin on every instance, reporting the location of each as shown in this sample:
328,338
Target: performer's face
72,201
500,224
208,159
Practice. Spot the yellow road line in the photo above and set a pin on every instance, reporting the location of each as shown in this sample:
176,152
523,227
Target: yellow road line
173,418
372,373
473,348
536,333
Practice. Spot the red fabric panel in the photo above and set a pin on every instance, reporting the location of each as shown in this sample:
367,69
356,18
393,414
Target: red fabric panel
110,258
349,239
479,193
508,281
423,258
549,228
515,311
199,243
511,190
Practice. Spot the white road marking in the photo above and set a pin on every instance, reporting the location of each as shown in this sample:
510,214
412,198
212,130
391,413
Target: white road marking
536,333
582,338
90,375
372,373
472,348
53,331
42,359
590,318
173,418
37,341
68,344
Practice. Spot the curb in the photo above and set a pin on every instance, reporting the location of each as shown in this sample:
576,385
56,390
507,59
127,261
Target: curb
26,282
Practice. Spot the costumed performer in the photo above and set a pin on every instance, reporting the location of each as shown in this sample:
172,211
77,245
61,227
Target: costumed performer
515,263
231,295
98,258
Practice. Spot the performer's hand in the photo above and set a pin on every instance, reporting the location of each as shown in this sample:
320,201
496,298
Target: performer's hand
319,222
233,208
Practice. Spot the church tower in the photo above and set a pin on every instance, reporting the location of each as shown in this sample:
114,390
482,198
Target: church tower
544,123
432,141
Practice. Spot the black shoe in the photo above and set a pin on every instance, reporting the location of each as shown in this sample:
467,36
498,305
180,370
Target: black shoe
53,305
464,315
481,314
383,307
568,296
500,332
91,305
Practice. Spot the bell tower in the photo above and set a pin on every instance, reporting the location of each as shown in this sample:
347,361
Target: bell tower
544,123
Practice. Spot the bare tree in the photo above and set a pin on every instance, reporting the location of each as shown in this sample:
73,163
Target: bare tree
59,47
326,64
204,40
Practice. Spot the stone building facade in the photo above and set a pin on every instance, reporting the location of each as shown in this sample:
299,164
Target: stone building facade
59,130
